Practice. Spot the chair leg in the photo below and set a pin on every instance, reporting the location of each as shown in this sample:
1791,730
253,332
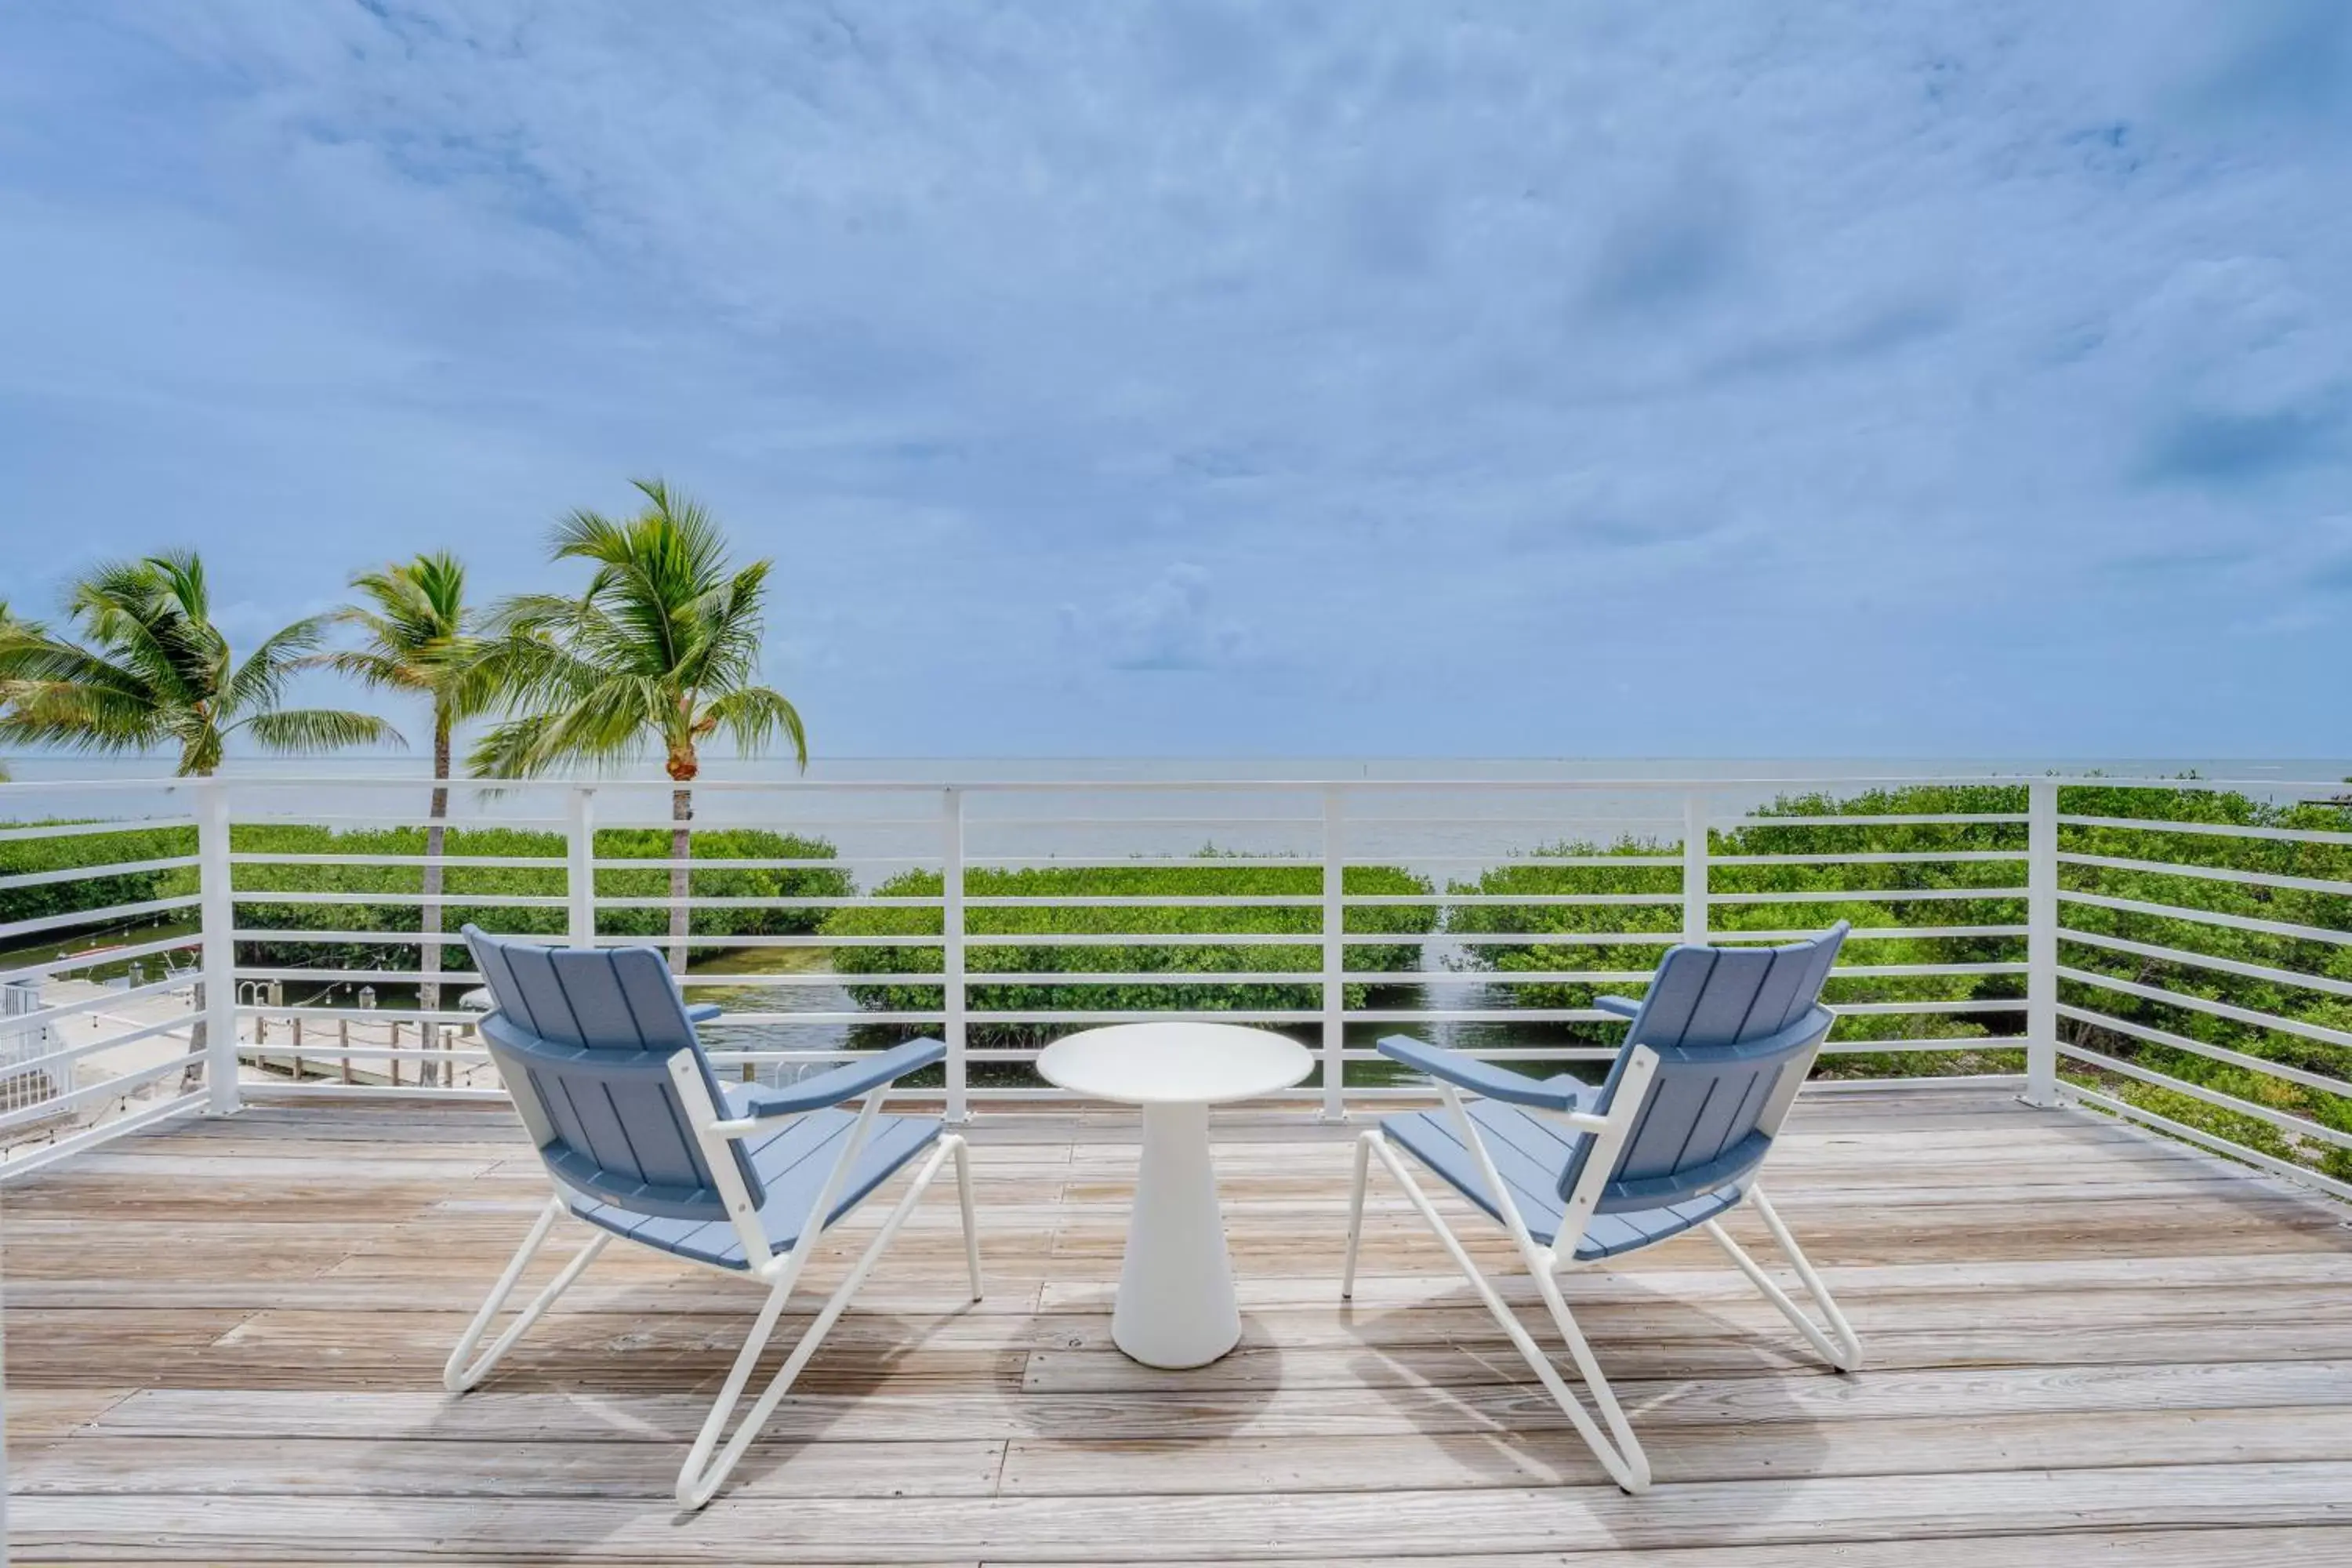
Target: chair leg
699,1479
1845,1352
1356,1214
458,1375
963,1200
1618,1450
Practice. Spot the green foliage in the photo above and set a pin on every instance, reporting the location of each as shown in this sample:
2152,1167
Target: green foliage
2319,961
1622,967
150,670
511,881
663,645
1392,933
24,856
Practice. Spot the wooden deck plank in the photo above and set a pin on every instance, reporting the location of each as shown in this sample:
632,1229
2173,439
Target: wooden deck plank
224,1340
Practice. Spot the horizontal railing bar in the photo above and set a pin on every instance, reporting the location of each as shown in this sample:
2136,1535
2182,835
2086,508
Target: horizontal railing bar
2152,1035
2219,1145
2296,978
1554,939
2194,1004
1482,820
1140,902
1870,857
1286,784
377,938
2207,873
1505,901
275,1088
357,1015
389,976
329,1050
24,1159
84,959
780,863
2213,1096
1148,862
549,862
98,1003
1891,819
979,824
1869,933
1158,939
394,819
1508,860
92,873
113,1042
2218,830
812,902
2206,917
1953,1004
1872,896
443,901
120,1084
791,826
94,829
110,915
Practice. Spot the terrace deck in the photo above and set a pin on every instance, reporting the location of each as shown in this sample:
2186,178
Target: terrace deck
223,1342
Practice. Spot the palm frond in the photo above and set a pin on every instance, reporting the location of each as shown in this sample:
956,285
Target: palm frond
258,682
318,729
751,716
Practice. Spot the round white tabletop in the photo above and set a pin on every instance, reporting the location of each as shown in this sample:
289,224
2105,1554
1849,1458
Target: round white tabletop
1174,1064
1176,1305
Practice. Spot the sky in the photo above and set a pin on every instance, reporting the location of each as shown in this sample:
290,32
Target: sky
1752,378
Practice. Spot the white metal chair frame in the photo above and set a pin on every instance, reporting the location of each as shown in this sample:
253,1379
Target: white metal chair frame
702,1475
1618,1450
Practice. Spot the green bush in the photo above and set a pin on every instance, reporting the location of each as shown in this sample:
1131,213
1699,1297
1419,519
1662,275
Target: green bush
1390,940
1761,835
21,857
510,881
2321,961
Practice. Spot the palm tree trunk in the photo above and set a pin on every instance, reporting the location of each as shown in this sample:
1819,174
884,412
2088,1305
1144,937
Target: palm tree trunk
428,994
681,846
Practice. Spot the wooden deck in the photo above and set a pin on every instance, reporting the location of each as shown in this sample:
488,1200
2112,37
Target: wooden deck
223,1342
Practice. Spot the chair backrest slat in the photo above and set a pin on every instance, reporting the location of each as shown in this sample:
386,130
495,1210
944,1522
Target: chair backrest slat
1727,1025
583,1038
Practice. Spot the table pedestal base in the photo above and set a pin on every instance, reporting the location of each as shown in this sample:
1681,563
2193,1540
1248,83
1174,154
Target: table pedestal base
1176,1306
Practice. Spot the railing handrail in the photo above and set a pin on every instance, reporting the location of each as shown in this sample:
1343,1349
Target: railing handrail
2062,866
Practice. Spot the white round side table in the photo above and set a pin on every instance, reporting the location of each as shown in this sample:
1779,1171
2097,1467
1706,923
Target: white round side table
1176,1305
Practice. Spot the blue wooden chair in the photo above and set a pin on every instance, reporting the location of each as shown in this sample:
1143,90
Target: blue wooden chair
1669,1140
644,1142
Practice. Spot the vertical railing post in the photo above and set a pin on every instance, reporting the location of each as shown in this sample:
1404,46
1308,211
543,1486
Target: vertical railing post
580,865
2042,945
951,946
1335,956
1695,909
216,910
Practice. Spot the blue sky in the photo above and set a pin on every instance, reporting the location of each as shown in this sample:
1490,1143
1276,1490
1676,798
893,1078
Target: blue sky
1934,379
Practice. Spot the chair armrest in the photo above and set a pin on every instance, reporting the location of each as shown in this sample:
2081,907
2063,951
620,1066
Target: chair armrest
1623,1007
830,1088
1480,1077
702,1012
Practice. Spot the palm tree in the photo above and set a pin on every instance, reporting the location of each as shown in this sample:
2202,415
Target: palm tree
151,669
417,639
664,645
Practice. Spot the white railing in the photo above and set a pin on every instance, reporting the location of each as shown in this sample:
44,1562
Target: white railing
1337,909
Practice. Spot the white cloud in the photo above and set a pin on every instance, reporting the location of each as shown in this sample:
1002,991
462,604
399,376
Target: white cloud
1439,342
